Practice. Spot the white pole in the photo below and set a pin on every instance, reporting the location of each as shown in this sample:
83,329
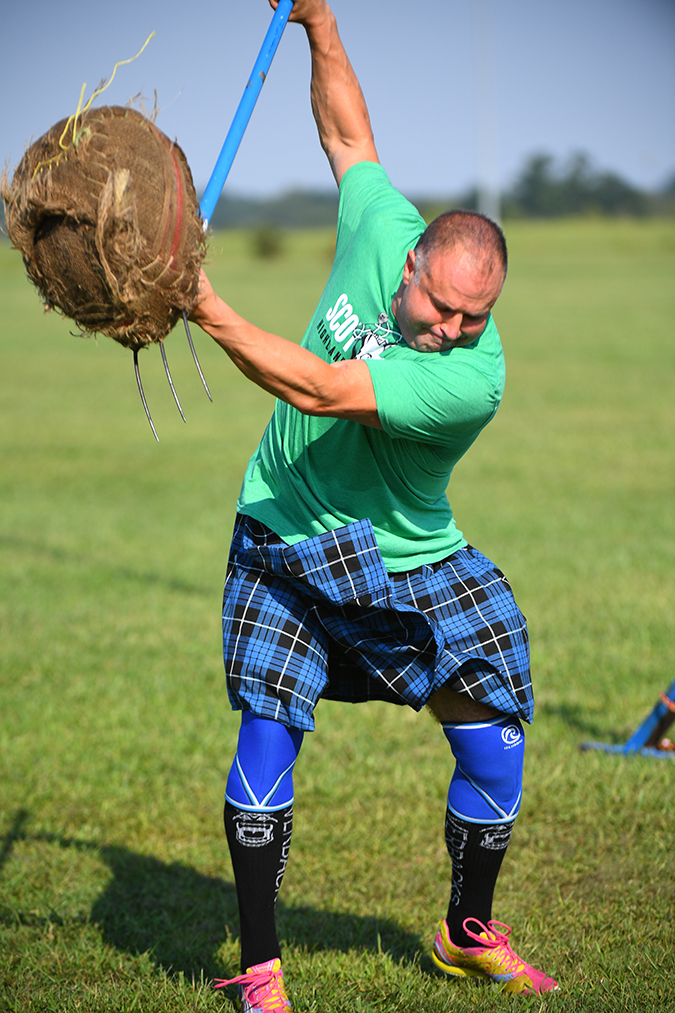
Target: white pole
486,131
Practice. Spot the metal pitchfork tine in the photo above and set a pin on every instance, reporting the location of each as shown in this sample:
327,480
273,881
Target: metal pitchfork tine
140,391
139,383
168,376
194,356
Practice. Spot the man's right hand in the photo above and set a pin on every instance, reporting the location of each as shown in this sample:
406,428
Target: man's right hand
305,11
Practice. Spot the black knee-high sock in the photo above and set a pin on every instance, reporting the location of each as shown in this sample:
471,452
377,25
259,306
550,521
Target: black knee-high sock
259,845
477,851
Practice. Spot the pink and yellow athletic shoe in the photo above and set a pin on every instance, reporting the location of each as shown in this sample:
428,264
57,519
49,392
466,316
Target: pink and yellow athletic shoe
261,989
492,958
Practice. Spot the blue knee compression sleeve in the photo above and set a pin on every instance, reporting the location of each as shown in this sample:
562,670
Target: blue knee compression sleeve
261,776
487,784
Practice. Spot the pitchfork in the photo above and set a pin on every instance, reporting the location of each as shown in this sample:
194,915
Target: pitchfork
219,175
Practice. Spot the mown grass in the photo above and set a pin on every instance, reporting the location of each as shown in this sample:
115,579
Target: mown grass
115,734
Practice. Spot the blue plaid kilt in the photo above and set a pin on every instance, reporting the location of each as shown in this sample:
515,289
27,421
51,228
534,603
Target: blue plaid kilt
322,619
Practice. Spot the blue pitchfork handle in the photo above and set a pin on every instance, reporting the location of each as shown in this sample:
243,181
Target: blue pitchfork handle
230,147
245,108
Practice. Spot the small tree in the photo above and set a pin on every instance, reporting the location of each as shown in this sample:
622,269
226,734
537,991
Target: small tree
267,242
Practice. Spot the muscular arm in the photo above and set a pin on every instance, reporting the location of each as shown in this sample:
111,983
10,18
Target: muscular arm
340,390
337,100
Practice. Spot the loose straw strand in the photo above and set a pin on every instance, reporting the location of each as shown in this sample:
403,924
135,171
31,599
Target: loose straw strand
79,111
121,63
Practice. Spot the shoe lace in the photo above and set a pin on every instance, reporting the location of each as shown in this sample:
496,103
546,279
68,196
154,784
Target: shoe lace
498,942
260,987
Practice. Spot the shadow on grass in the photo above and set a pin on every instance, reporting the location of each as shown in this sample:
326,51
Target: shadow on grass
578,718
181,917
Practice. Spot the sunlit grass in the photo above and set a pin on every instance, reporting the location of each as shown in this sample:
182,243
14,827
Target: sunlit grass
115,733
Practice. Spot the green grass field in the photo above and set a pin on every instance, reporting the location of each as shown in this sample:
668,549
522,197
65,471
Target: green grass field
116,737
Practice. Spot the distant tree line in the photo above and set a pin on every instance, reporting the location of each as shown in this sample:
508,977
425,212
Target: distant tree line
546,190
543,189
541,192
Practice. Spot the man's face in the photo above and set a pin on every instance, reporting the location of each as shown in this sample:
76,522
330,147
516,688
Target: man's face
444,300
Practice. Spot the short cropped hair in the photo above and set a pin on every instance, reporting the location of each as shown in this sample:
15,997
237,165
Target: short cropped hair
475,232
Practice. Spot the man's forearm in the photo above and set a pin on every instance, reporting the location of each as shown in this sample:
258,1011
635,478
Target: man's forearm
288,371
338,103
337,100
279,366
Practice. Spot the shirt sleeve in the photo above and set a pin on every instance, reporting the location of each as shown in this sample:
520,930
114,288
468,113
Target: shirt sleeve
366,187
433,397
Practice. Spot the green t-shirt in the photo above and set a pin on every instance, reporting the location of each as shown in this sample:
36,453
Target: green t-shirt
311,475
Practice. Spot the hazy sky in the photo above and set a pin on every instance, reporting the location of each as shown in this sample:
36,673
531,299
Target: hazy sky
549,75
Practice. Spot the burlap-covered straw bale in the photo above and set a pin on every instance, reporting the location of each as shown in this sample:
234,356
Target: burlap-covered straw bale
104,212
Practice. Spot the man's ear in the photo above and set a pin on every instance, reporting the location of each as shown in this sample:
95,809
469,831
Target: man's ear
409,267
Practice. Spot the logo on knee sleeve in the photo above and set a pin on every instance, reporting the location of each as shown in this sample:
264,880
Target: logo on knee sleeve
254,830
511,735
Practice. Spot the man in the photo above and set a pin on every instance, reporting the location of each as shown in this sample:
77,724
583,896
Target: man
347,576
